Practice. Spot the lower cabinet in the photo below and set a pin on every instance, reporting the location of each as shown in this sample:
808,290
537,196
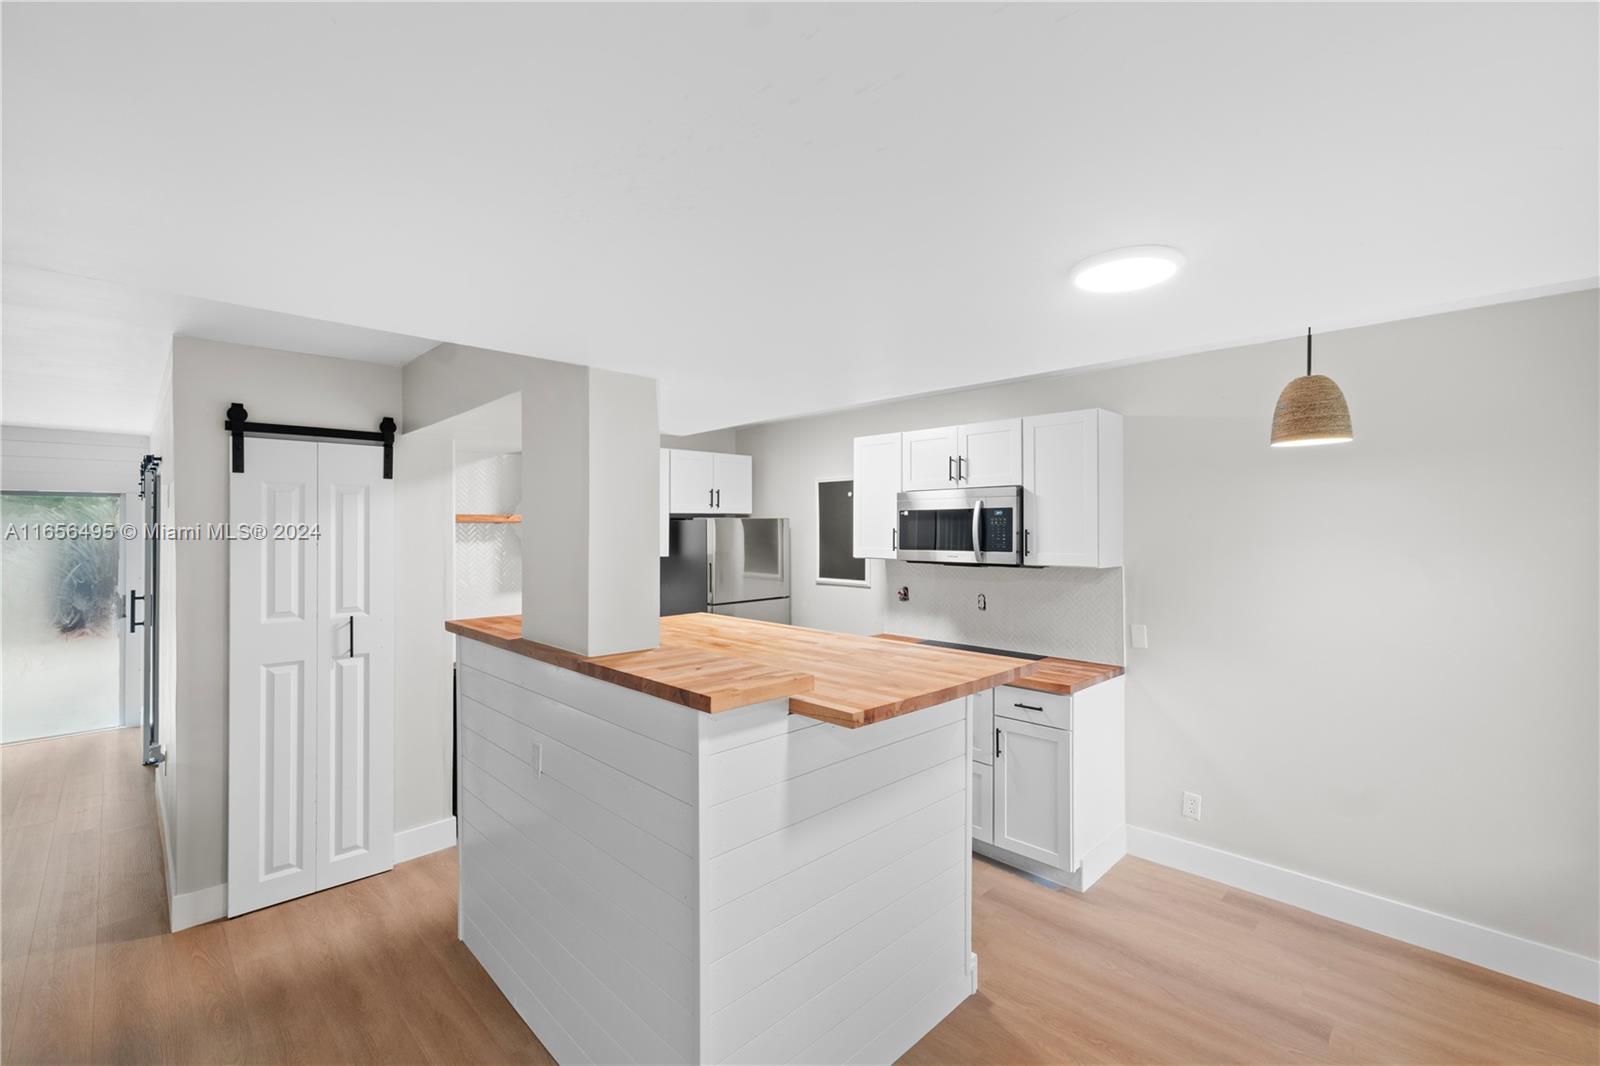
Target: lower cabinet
1048,781
1032,790
983,802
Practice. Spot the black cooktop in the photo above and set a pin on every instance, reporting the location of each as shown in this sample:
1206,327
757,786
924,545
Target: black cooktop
986,651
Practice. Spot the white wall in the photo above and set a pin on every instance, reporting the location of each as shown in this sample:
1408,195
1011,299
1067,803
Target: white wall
274,386
425,598
1376,662
590,578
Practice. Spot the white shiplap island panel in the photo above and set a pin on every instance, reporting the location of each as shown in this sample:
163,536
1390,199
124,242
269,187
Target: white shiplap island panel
648,883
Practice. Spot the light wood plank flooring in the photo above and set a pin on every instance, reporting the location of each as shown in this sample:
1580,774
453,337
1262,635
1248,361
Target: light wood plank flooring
1152,966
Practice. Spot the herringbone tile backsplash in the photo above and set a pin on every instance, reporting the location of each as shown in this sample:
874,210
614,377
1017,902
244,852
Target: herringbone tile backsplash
1066,611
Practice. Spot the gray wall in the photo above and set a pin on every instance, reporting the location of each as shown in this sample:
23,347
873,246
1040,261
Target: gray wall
1377,662
274,386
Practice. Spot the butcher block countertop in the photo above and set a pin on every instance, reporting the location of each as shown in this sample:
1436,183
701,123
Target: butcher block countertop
715,663
1062,677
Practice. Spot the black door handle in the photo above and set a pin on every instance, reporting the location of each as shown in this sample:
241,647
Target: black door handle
133,598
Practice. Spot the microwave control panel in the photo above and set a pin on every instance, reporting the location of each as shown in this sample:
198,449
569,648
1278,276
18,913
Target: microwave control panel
997,523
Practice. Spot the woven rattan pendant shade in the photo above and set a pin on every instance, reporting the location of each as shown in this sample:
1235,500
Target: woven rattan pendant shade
1311,410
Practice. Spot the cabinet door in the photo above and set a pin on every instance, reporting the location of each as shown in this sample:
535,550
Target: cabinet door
877,483
665,486
983,802
928,458
991,453
1032,790
691,482
1060,512
983,726
730,478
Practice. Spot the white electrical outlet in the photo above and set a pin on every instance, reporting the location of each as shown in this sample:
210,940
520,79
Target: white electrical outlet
1191,805
1141,637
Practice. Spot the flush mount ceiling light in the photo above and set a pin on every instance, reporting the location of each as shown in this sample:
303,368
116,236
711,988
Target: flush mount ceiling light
1127,269
1311,410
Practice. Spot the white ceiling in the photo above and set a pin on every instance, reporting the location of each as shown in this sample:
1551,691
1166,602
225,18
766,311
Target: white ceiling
86,354
777,210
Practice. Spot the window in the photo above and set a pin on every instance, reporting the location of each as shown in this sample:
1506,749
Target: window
836,565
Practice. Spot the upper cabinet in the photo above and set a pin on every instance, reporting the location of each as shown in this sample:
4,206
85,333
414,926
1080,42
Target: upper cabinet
991,454
928,458
1069,466
708,483
1072,489
877,483
980,455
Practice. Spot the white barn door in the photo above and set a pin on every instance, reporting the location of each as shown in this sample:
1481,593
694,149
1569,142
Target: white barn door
273,634
355,758
310,720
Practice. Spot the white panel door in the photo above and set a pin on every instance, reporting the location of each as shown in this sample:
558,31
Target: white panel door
273,634
983,802
991,453
1032,786
731,482
691,482
355,746
1060,477
877,483
928,458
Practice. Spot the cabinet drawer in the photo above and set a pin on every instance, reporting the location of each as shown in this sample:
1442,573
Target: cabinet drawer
983,727
1026,705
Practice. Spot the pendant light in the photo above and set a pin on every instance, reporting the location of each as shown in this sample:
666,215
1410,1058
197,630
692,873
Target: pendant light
1311,410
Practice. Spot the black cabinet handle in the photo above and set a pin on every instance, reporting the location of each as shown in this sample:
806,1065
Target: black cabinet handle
894,540
711,498
719,496
1027,535
998,750
133,598
352,654
1028,707
961,474
949,468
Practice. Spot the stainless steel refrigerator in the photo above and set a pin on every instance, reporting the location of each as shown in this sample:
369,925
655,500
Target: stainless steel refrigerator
736,566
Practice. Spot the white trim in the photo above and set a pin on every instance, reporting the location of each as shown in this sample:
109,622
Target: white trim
198,908
209,904
167,862
422,840
1526,960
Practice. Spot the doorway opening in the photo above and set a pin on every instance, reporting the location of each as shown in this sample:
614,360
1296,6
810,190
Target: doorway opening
60,609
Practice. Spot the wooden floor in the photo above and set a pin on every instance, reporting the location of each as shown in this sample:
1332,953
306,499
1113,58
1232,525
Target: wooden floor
1152,966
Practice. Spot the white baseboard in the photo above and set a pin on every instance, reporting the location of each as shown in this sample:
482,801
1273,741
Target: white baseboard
198,908
209,904
1526,960
1102,857
423,840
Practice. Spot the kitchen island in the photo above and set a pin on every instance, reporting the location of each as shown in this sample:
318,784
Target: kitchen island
749,844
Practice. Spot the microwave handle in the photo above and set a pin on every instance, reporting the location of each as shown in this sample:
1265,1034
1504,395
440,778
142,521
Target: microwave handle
977,529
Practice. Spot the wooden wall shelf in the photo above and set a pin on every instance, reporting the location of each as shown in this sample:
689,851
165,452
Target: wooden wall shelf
497,519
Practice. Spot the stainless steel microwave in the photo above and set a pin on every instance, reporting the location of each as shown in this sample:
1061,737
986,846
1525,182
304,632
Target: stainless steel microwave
973,526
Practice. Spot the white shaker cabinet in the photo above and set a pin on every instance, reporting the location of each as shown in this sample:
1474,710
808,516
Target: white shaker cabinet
1032,790
990,453
707,483
730,483
928,458
877,482
1072,489
691,491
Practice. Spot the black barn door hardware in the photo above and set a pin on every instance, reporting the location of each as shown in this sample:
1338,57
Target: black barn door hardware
239,425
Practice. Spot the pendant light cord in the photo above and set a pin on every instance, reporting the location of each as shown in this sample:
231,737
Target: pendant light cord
1308,351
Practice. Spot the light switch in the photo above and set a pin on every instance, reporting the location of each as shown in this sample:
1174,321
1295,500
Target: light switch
1141,637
